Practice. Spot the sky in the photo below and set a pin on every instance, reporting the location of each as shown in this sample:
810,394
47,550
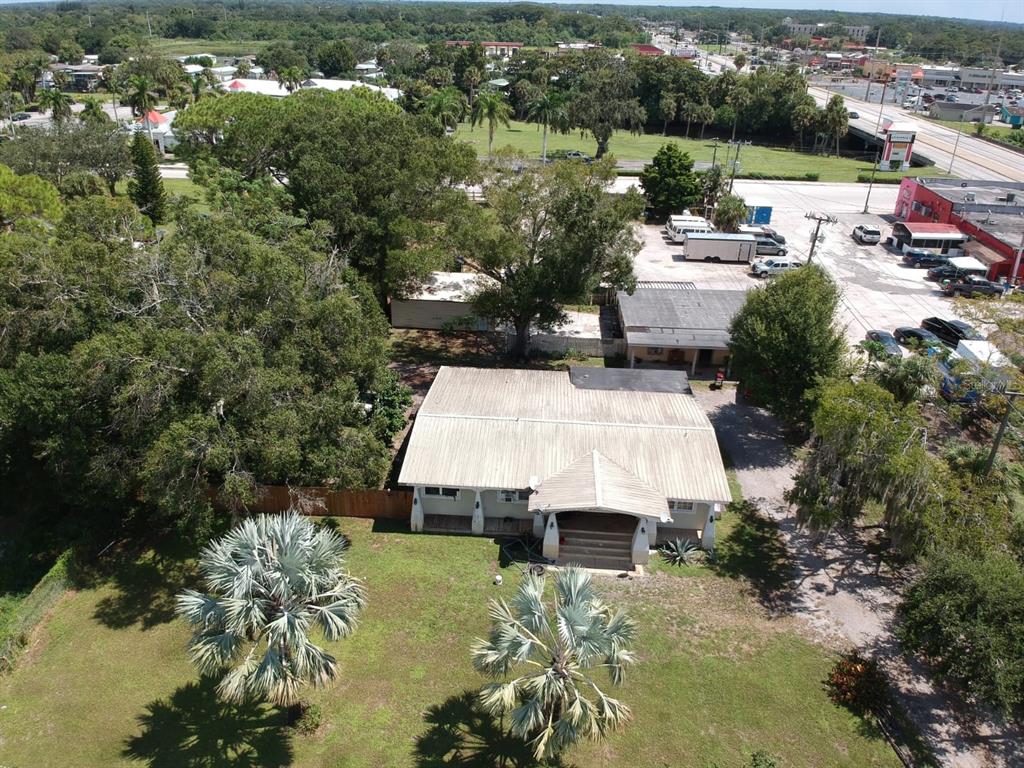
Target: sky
985,10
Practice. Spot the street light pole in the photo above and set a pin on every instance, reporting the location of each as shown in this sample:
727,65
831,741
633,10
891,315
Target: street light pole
959,130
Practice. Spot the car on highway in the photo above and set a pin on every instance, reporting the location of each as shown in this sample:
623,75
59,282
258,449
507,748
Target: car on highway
17,117
909,336
866,235
950,332
775,266
920,258
854,115
889,344
973,285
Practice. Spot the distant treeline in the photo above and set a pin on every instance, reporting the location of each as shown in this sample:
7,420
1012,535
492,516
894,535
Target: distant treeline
94,25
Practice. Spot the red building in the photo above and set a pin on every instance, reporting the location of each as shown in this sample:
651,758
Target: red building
647,50
990,212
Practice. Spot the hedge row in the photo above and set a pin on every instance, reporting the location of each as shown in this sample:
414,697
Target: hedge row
33,608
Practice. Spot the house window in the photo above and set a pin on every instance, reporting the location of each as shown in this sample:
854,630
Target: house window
511,497
655,350
446,493
680,506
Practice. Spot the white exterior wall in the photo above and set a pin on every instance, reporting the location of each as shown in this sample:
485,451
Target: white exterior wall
434,505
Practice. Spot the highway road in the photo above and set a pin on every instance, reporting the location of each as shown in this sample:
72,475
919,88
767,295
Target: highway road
975,158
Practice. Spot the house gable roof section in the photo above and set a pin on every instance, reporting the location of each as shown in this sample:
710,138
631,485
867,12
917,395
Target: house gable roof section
595,483
506,428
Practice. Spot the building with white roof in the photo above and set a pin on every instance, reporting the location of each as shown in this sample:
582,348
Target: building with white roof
599,463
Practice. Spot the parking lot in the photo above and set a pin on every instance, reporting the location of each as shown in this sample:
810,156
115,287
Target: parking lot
877,290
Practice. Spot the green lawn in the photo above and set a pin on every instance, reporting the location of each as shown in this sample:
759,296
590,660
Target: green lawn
186,47
106,682
968,128
527,138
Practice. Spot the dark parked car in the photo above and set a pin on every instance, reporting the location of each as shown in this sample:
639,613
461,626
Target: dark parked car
920,258
951,332
887,340
946,272
908,335
973,285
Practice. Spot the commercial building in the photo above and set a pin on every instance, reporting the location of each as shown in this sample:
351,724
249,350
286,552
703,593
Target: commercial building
969,77
600,464
969,113
678,325
495,50
647,50
859,32
989,213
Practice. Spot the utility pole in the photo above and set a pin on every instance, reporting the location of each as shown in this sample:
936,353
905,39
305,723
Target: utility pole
735,164
820,218
1002,428
878,39
1016,262
149,24
992,76
871,183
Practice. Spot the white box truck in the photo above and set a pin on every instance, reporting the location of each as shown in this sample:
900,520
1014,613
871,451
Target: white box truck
719,246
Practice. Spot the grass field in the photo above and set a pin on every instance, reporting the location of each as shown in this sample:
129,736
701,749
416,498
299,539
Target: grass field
527,138
106,681
969,128
186,47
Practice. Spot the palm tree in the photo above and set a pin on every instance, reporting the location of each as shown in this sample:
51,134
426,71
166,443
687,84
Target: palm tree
58,102
490,107
471,78
739,100
705,116
141,94
555,702
273,580
290,78
108,80
837,119
549,109
92,111
803,118
447,105
668,105
689,111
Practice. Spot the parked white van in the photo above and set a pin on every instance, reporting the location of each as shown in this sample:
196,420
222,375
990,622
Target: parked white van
678,227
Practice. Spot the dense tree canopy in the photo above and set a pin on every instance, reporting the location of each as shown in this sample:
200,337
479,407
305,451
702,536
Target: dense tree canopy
669,183
785,340
241,349
549,236
380,177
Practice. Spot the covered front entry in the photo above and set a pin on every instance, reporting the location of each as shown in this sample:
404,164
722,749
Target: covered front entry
598,514
596,539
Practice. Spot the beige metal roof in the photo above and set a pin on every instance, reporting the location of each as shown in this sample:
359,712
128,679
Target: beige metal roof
595,483
509,428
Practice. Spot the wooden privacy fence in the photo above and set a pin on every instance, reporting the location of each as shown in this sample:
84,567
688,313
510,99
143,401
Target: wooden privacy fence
324,501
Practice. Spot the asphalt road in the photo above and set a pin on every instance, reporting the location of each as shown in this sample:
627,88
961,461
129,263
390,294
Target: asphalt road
975,158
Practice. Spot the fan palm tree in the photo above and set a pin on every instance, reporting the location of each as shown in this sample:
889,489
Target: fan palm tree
272,580
491,108
92,111
836,119
549,109
471,79
555,702
290,78
705,116
58,102
140,93
447,105
109,82
739,100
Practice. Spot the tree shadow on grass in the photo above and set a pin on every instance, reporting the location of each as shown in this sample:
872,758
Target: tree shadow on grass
460,734
145,585
195,729
754,551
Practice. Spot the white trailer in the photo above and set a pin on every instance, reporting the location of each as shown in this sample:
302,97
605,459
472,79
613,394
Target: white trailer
719,246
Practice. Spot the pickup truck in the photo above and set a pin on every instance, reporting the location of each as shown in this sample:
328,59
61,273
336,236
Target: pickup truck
773,266
972,285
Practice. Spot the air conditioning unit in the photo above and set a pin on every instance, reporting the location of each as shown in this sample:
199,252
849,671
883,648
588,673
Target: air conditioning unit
969,197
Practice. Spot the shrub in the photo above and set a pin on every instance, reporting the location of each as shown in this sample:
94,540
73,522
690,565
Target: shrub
856,683
865,178
310,720
680,551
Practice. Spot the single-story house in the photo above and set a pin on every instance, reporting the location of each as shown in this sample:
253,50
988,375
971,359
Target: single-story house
1013,116
601,464
443,300
968,113
159,126
275,89
679,325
